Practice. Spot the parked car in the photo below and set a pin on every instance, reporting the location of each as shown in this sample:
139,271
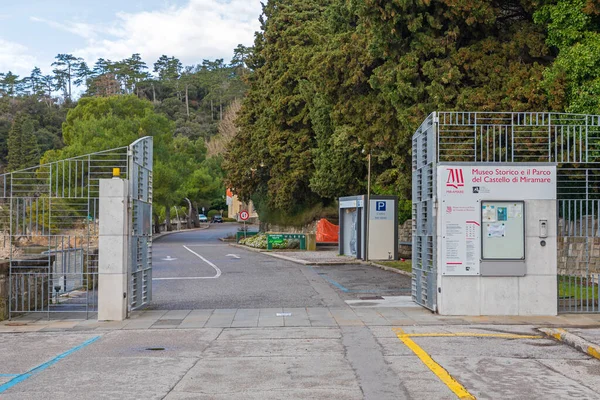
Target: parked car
217,218
202,218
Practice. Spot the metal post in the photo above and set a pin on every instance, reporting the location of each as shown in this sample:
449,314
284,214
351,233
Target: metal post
367,207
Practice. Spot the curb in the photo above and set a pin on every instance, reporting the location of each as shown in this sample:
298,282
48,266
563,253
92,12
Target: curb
317,263
589,348
386,268
163,234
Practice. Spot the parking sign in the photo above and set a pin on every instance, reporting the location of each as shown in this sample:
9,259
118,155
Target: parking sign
381,206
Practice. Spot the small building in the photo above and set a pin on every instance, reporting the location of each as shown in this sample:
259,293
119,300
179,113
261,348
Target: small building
235,205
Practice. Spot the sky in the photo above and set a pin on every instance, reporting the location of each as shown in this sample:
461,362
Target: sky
33,32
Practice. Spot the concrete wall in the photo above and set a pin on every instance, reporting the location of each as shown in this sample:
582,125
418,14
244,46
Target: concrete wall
533,294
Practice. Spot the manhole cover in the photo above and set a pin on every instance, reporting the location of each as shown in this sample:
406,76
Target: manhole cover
371,298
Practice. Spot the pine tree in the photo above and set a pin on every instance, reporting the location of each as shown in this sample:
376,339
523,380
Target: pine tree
23,150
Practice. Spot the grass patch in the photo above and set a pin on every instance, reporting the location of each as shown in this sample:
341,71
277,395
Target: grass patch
577,288
401,265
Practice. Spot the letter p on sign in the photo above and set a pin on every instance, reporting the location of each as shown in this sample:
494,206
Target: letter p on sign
380,205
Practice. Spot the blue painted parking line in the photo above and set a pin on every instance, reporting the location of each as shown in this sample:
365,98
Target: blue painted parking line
22,377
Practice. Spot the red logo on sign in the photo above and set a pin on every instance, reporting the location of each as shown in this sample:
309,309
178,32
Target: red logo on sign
456,178
449,210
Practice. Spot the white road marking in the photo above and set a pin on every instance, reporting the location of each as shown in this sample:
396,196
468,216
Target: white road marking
234,256
183,278
168,259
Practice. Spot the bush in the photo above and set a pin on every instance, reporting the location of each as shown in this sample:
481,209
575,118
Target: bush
258,241
229,219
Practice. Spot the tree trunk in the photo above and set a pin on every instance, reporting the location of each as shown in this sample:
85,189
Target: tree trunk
156,224
168,228
187,103
195,220
153,94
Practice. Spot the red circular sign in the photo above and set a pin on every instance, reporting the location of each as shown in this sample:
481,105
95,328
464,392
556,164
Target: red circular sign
244,215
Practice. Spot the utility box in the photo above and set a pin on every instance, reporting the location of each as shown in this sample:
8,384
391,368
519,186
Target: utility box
496,239
371,233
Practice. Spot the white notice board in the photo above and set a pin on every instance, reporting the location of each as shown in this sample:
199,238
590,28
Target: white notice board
503,230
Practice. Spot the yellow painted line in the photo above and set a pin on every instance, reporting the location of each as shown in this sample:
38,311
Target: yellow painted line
593,352
452,384
466,334
437,369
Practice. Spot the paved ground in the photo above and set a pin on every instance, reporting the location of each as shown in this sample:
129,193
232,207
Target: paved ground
266,328
240,278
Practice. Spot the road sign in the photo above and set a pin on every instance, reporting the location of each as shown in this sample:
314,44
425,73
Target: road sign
244,215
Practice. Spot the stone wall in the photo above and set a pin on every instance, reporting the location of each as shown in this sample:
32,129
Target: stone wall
311,228
405,236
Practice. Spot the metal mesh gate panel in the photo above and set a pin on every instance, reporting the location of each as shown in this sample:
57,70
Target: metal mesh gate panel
49,221
140,240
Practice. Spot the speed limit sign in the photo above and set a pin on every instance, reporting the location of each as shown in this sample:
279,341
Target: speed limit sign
244,215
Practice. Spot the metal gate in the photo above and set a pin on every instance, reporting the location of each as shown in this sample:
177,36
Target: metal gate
571,141
49,220
140,239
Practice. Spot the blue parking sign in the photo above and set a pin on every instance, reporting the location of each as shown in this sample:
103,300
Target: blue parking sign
380,206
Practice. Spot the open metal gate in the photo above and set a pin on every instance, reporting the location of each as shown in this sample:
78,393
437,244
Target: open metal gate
140,239
49,221
569,140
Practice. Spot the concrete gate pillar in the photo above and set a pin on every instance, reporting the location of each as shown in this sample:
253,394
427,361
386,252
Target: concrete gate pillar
113,250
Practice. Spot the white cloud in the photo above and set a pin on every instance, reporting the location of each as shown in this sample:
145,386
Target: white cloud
86,31
202,29
16,58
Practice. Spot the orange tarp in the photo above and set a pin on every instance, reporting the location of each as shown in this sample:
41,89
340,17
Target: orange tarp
327,232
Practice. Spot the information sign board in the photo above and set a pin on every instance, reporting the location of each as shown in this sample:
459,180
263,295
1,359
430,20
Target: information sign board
473,202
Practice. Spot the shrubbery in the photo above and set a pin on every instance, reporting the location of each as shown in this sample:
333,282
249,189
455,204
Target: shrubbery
260,242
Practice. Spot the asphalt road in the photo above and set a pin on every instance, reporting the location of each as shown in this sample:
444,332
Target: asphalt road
195,270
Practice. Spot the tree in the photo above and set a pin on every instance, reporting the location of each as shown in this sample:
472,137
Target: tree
168,68
36,82
101,67
10,84
23,149
100,123
48,85
66,68
572,82
135,71
84,75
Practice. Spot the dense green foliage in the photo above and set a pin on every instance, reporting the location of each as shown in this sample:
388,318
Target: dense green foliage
335,80
327,83
187,106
